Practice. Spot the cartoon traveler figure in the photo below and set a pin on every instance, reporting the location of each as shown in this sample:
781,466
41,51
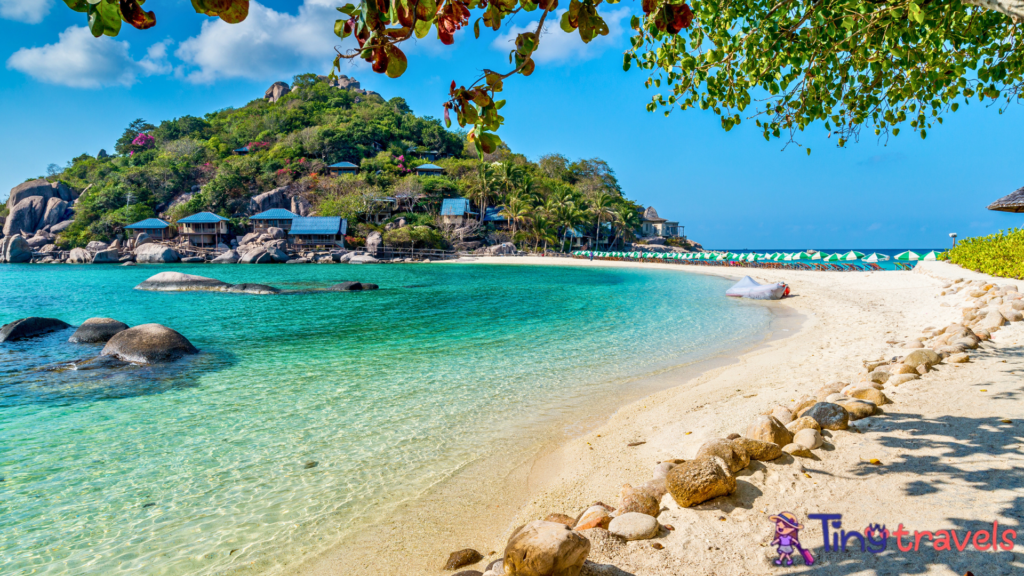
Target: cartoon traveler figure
787,537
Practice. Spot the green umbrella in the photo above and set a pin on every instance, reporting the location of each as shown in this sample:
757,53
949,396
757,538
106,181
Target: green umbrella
907,256
816,256
933,255
833,258
852,255
875,257
801,256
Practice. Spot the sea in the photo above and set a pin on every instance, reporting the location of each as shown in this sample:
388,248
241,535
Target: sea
306,409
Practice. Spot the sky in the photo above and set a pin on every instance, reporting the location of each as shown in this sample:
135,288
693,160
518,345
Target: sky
65,93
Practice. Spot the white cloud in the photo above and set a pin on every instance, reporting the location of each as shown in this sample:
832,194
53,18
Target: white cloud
81,61
28,11
557,46
267,45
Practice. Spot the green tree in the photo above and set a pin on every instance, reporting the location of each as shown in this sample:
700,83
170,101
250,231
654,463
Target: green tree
602,207
124,143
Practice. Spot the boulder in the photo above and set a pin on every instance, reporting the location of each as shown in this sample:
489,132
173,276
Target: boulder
79,256
829,416
62,191
275,233
277,255
991,320
248,238
30,328
178,282
96,330
782,414
502,249
924,356
61,226
156,254
301,206
959,358
637,500
824,392
25,216
594,517
193,260
858,409
903,378
870,394
148,344
268,200
561,519
229,257
273,94
878,375
346,287
96,246
803,404
634,526
733,454
808,437
49,249
768,429
461,558
39,188
795,449
54,212
249,288
108,256
699,480
758,449
15,250
38,241
545,549
364,259
373,242
256,257
901,368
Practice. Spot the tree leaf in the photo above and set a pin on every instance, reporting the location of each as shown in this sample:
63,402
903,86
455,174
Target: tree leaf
397,62
133,14
230,11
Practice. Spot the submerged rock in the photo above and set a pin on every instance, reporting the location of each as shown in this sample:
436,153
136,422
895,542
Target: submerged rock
148,344
178,282
252,289
30,328
96,330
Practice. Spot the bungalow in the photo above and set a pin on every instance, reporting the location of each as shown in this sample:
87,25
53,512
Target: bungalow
203,229
428,155
314,231
153,227
273,218
492,216
380,209
429,170
654,225
342,168
456,211
240,151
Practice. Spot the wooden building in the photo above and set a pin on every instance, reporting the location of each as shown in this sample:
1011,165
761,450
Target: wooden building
155,228
204,229
456,211
342,168
318,231
429,170
273,218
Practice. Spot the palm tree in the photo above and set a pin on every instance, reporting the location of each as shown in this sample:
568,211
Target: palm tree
516,210
625,221
507,176
568,217
601,206
482,190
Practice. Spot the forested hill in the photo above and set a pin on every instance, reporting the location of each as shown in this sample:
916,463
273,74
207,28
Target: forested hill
190,164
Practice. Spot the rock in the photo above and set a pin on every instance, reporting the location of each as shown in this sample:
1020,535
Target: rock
148,344
15,250
857,409
364,259
903,379
992,320
969,342
38,188
470,573
275,233
959,358
918,357
734,455
277,255
79,256
545,549
156,254
636,500
141,238
25,216
834,397
96,330
38,241
49,249
461,558
809,438
795,449
249,288
768,429
193,260
229,257
54,212
782,414
561,519
758,449
594,517
276,91
870,394
505,248
634,526
178,282
878,375
699,480
248,238
803,404
61,226
297,261
96,246
373,241
829,416
256,257
344,258
922,369
109,256
301,206
32,327
346,287
268,200
901,368
62,191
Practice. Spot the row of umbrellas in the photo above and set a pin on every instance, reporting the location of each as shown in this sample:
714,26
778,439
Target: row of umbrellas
851,256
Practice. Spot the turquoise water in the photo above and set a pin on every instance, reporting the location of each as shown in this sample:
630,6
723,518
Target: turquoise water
201,466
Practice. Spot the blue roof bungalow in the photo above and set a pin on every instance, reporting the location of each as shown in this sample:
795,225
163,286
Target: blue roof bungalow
456,211
492,216
240,151
429,170
318,231
273,218
342,168
153,227
204,229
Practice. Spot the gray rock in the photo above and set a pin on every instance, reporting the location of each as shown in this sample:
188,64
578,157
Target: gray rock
193,260
248,238
40,188
268,200
298,261
96,330
178,282
25,216
373,242
259,256
277,254
229,257
275,233
808,437
79,256
156,254
62,191
301,207
26,328
252,289
500,249
109,256
148,344
61,226
141,239
829,416
15,250
276,91
364,259
634,526
96,246
54,212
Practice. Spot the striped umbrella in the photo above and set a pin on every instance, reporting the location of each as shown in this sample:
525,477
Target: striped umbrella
816,256
933,255
907,256
832,258
853,255
875,257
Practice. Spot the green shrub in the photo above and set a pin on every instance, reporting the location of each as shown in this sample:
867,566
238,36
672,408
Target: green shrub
999,254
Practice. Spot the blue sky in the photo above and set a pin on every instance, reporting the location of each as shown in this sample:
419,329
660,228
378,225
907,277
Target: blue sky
65,93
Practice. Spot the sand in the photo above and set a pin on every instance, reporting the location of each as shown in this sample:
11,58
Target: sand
947,461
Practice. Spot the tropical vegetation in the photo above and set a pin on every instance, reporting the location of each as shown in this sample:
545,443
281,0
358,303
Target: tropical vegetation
999,254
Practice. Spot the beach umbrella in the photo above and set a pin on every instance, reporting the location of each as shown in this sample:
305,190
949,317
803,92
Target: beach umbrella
933,255
801,256
832,258
853,255
816,256
875,257
907,256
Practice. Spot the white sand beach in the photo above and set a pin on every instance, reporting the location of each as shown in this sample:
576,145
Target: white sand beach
949,449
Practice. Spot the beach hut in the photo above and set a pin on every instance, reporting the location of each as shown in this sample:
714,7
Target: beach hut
455,211
429,170
1013,202
492,216
342,168
273,218
907,256
204,229
155,228
317,231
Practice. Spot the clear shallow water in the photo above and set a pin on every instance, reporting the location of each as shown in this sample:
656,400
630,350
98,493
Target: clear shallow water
200,467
